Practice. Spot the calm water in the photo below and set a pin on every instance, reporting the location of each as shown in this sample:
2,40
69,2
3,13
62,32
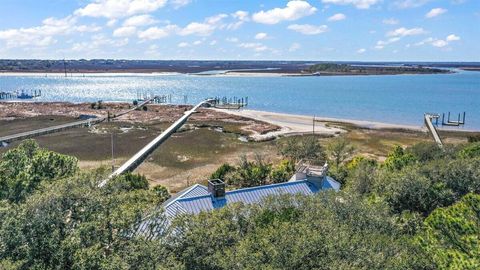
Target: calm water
391,99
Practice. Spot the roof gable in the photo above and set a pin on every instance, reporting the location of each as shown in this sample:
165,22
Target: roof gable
197,204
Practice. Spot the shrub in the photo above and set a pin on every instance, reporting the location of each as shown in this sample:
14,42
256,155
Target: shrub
470,151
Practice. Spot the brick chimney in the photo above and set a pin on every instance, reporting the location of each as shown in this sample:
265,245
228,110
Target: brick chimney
216,188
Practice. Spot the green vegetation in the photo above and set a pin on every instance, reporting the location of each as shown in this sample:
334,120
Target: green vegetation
452,235
339,69
305,147
254,173
24,168
339,150
419,209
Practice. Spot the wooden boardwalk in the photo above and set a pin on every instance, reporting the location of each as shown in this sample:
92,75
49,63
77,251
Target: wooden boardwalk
43,131
432,128
141,155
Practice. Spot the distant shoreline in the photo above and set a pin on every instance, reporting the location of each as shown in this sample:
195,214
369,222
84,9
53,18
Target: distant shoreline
214,68
233,73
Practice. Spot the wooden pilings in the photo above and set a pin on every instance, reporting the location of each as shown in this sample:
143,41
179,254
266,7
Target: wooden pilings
230,102
6,95
460,120
23,94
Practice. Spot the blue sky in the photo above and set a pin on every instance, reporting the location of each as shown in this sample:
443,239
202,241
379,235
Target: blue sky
365,30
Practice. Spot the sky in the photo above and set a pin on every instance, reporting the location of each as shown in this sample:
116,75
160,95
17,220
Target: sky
324,30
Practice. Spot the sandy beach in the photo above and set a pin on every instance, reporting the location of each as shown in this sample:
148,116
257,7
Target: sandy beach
292,124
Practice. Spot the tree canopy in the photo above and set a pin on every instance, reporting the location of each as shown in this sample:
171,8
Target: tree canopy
419,209
25,167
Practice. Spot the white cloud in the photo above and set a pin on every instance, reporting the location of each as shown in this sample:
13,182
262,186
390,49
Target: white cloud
179,3
119,8
381,44
439,43
183,45
203,29
453,37
337,17
140,20
43,35
362,50
125,31
391,21
258,47
213,42
308,29
215,19
241,17
360,4
87,28
195,28
293,11
111,22
294,47
425,41
435,12
261,36
403,4
157,32
403,32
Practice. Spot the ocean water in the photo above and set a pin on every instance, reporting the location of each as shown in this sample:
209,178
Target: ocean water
400,99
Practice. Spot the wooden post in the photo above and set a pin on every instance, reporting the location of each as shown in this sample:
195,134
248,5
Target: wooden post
313,125
113,157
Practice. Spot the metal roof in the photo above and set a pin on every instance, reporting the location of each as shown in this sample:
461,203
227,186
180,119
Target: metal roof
197,204
193,191
197,199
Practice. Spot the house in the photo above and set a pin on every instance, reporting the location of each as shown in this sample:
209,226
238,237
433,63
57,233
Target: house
307,180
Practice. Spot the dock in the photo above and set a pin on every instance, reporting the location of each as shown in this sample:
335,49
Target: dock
141,155
433,130
232,103
20,94
83,123
43,131
7,95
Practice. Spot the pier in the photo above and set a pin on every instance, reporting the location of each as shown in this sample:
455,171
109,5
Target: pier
20,95
43,131
230,103
157,99
7,95
433,130
460,121
4,141
141,155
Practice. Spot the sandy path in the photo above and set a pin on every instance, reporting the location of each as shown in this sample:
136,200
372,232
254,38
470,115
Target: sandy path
292,124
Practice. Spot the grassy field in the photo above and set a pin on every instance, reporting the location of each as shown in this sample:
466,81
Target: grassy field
9,127
189,156
194,152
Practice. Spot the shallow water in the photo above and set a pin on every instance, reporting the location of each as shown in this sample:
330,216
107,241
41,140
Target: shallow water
401,99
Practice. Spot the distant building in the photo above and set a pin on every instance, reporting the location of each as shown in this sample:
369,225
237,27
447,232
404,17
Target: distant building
307,180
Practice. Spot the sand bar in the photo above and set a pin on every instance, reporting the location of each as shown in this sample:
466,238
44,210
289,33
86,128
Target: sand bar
292,124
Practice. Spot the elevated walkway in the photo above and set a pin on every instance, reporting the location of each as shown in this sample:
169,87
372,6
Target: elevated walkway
43,131
432,129
141,155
